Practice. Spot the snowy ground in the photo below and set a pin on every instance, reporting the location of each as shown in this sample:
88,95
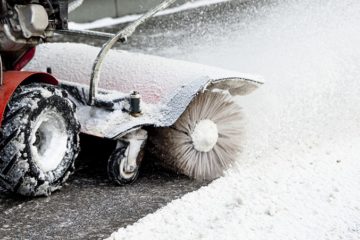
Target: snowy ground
298,176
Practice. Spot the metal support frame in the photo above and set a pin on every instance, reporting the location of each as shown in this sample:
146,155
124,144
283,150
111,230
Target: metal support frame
136,140
85,33
122,36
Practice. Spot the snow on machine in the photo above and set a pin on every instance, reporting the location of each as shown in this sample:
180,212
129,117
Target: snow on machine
182,112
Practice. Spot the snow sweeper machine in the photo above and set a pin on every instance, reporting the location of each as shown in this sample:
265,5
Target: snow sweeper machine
182,112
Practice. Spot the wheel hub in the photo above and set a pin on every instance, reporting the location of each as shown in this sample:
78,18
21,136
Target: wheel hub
205,135
124,172
48,140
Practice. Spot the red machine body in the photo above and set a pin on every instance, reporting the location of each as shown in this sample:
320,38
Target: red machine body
13,79
25,24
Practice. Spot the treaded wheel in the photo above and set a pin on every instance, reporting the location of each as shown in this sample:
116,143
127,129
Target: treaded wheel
39,140
116,167
204,141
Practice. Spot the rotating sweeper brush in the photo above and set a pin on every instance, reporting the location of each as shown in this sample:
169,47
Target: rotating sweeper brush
182,112
205,140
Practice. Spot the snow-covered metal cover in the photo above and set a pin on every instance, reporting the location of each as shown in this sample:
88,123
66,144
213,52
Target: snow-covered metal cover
167,86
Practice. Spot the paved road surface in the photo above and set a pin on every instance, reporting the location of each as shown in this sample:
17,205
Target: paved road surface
90,207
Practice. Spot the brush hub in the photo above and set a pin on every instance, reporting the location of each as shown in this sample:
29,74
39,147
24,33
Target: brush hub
205,135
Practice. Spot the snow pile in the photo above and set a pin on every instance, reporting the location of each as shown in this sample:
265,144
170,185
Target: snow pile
104,22
75,4
299,173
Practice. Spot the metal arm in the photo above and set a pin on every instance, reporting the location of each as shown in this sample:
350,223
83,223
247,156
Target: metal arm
85,33
122,36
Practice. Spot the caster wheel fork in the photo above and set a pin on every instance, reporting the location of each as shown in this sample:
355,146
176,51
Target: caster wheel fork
124,162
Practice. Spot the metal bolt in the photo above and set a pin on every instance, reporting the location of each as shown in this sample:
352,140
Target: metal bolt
135,99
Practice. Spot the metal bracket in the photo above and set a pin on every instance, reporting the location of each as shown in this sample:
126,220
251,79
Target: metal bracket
136,140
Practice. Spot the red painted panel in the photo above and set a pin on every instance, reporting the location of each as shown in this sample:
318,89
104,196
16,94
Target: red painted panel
12,79
25,59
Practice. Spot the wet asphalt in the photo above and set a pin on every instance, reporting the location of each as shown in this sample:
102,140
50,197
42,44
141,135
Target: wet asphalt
89,206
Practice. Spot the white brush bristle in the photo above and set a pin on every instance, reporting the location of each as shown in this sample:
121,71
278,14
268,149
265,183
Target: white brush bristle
174,146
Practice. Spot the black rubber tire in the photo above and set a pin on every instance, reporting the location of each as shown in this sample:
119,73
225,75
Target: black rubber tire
113,168
19,172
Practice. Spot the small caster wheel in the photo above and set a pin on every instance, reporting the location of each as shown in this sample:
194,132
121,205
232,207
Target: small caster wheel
118,171
124,162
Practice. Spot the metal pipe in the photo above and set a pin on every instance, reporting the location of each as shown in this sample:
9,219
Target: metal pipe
85,33
122,36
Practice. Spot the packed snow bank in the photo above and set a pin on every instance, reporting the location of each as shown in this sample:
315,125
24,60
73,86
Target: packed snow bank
309,195
299,174
104,22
